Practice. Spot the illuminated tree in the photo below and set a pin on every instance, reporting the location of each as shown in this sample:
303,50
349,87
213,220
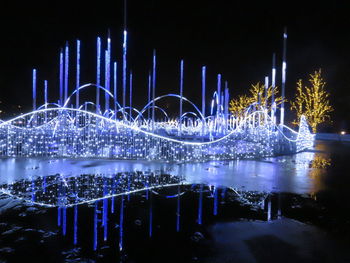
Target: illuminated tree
237,106
257,94
313,101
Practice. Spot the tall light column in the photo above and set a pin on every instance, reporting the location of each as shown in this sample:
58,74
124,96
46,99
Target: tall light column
124,69
34,89
115,86
61,78
284,68
45,93
181,93
218,93
77,75
107,72
273,84
130,97
153,86
106,85
266,90
226,104
45,98
149,93
98,74
66,70
203,97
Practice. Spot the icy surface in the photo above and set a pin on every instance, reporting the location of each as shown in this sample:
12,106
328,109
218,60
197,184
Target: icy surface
286,173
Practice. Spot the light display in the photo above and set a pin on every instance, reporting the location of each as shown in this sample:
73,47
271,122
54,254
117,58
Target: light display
120,131
313,101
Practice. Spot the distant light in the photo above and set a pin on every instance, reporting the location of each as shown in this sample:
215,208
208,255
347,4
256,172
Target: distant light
343,132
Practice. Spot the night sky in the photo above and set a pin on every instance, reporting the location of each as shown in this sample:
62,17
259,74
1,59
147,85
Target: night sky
235,38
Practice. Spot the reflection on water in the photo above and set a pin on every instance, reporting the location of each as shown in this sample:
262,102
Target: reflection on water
153,208
57,190
320,162
299,173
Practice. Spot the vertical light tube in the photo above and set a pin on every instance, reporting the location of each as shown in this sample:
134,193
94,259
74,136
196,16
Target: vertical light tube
121,222
215,210
153,86
113,198
75,224
266,90
45,98
181,94
284,68
66,71
203,97
61,78
115,68
149,94
106,82
178,210
77,75
108,72
98,74
59,216
226,104
219,93
273,84
124,70
200,205
33,190
130,97
45,93
34,89
95,226
64,225
105,211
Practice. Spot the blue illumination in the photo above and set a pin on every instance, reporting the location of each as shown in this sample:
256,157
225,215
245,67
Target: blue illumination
75,225
33,191
106,80
218,92
266,89
105,211
154,65
200,204
113,198
77,74
121,223
130,97
178,209
61,79
203,97
66,72
149,93
181,94
59,212
215,210
124,70
64,224
98,74
34,89
115,86
95,226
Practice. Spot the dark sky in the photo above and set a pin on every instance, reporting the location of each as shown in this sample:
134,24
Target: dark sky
235,38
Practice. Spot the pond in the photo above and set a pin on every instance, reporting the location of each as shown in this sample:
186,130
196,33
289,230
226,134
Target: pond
285,208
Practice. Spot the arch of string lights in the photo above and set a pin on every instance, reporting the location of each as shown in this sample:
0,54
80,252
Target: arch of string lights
119,131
